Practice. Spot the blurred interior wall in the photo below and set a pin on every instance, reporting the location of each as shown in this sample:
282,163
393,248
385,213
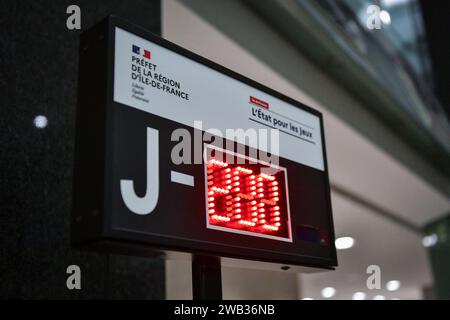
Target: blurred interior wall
439,254
237,283
39,71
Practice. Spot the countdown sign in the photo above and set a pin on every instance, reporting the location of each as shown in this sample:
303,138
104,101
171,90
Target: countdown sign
175,153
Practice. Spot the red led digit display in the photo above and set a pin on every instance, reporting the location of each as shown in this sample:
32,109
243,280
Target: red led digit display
242,196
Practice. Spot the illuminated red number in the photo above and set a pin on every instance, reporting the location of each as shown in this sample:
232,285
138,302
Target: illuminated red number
241,197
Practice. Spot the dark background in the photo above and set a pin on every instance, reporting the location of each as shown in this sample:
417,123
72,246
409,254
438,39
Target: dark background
437,26
38,76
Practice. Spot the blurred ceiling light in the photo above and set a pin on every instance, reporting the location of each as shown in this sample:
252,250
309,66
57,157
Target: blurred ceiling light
359,296
40,121
430,240
328,292
379,297
392,3
393,285
344,243
308,298
385,17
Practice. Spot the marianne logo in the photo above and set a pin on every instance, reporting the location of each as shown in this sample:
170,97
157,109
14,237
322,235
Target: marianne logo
259,102
146,53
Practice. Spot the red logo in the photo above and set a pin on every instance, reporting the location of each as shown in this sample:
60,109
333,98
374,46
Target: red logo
147,54
259,102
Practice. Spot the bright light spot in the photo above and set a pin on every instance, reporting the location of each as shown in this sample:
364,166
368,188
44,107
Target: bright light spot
359,296
379,297
40,121
385,17
393,3
393,285
328,292
307,298
344,243
430,240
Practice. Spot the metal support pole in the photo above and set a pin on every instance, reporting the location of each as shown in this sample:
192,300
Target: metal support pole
206,278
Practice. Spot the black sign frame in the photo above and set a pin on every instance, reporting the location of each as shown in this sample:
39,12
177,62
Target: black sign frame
92,189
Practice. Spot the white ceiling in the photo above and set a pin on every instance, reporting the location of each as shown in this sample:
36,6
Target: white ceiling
367,171
396,250
354,164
